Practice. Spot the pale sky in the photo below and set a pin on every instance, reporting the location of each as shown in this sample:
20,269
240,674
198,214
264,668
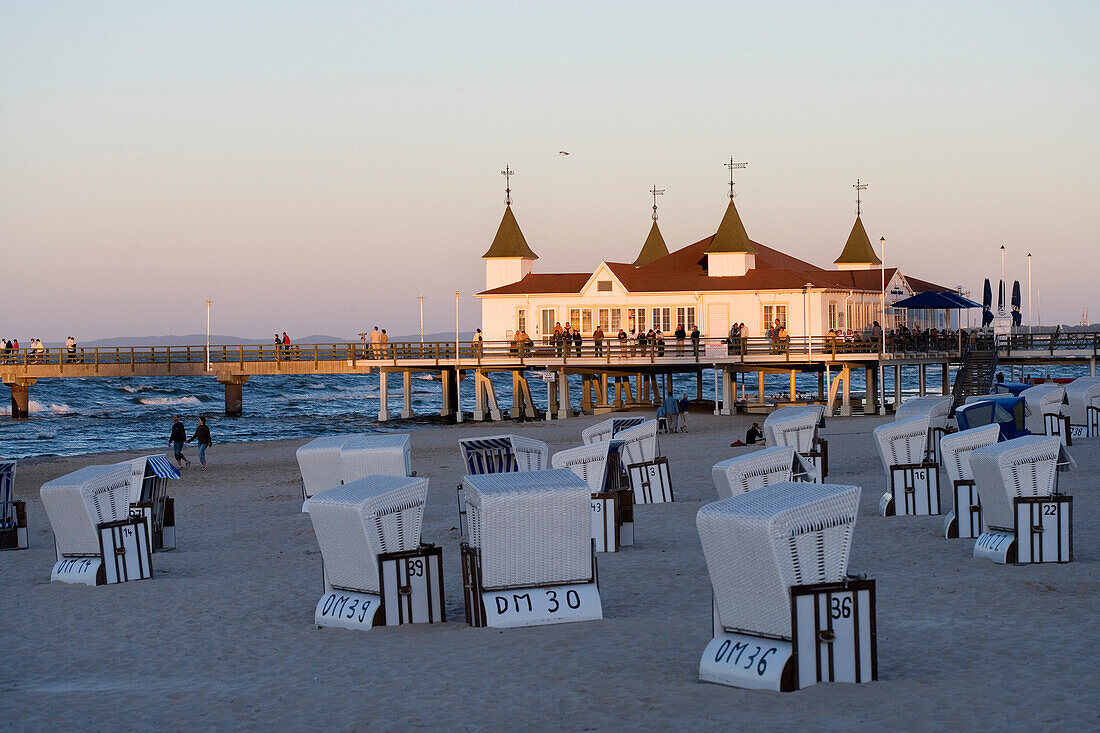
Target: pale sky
313,166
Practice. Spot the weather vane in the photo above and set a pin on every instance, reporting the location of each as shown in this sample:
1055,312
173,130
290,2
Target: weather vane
733,166
656,192
859,203
507,173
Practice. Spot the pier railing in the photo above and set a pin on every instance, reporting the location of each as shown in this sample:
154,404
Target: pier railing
436,353
1021,344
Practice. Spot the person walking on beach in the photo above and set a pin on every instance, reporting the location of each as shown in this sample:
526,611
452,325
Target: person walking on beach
202,437
177,439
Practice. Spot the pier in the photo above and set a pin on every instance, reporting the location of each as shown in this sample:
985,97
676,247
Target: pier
618,376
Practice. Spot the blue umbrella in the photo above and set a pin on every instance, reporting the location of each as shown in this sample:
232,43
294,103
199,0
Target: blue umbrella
1017,316
987,304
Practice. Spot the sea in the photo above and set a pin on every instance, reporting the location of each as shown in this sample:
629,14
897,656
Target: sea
93,415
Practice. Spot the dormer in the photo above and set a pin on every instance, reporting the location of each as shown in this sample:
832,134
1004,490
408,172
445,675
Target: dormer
731,253
509,259
858,253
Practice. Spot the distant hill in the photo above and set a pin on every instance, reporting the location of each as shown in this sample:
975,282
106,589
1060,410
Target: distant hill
199,339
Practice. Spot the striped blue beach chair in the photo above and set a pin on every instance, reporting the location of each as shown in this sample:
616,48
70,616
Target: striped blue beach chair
7,496
498,454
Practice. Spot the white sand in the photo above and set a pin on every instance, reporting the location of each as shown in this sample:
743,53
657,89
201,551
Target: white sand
224,634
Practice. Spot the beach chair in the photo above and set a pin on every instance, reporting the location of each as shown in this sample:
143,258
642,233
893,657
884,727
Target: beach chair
783,600
529,559
1007,412
611,507
376,570
1083,407
798,427
1024,518
761,468
375,455
609,428
13,514
647,470
1044,404
498,454
965,519
320,465
149,477
938,410
98,540
913,485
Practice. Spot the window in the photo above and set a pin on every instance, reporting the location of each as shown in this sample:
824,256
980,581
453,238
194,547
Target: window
635,318
616,319
685,317
603,286
662,319
851,321
773,312
586,320
832,316
521,319
605,319
574,317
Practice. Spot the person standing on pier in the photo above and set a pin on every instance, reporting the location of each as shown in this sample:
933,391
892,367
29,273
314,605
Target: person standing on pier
680,334
597,341
695,336
177,439
558,334
202,437
577,340
375,341
623,340
278,346
383,341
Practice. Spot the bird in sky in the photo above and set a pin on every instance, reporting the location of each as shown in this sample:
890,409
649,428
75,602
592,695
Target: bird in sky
562,152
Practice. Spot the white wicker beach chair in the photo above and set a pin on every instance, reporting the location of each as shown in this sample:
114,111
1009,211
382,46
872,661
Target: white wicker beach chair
503,454
609,428
761,468
1023,467
640,443
148,478
957,448
7,495
760,543
360,520
794,426
1042,400
587,461
902,442
75,503
532,528
938,410
375,455
319,462
1083,397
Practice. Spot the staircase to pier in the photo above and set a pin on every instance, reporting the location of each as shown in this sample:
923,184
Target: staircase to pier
975,375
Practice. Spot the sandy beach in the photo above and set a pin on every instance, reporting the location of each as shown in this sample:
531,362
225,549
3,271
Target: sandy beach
223,636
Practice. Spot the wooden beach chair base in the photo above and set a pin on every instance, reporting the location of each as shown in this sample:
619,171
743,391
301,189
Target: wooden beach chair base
833,639
504,608
1043,532
1056,424
914,490
650,481
412,586
965,520
14,537
819,457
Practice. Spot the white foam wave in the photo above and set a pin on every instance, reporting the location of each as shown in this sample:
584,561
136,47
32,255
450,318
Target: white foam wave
168,400
57,408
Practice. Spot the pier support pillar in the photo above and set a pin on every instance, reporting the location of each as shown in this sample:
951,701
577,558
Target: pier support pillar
407,393
699,385
565,407
821,386
517,397
586,394
21,397
760,388
447,408
945,387
552,399
604,398
870,400
234,393
729,394
923,379
1092,368
793,394
383,396
897,386
619,392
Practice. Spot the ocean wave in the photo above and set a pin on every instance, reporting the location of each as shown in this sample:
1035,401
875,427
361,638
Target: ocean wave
168,401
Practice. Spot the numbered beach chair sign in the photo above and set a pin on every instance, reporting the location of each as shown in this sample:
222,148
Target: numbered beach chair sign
1024,517
965,518
498,454
375,569
647,470
99,538
597,464
13,514
530,559
786,613
149,477
913,481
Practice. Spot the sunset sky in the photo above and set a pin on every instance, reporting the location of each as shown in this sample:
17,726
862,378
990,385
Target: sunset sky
314,166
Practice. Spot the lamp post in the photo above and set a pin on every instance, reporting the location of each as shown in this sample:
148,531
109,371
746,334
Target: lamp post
208,301
421,299
806,318
1029,292
882,330
458,370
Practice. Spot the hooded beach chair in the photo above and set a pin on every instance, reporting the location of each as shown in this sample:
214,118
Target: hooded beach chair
912,480
798,427
375,455
761,468
609,428
599,466
149,477
498,454
97,540
529,557
1044,403
938,410
778,563
648,471
320,465
13,514
360,526
965,520
1024,518
1083,407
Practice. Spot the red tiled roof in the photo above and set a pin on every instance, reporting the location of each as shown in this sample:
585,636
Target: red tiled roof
543,283
919,286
